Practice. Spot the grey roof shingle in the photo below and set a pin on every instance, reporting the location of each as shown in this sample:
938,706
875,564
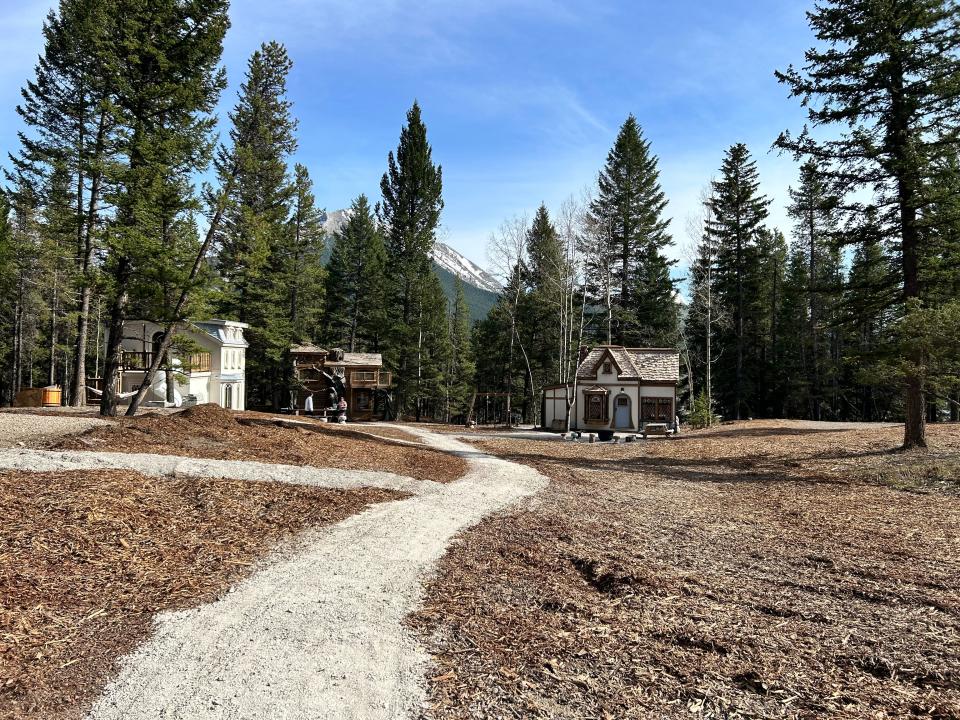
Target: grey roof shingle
653,364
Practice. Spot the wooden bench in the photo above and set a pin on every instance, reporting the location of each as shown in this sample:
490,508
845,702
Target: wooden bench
655,429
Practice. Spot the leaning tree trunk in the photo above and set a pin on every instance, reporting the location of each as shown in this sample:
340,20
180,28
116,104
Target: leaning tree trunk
167,337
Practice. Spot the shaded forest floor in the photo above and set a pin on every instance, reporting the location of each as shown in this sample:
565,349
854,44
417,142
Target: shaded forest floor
767,569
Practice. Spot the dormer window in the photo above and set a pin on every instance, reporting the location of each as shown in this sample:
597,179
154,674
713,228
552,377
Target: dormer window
607,368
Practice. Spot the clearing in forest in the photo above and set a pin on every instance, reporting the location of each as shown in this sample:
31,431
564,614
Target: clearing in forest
764,569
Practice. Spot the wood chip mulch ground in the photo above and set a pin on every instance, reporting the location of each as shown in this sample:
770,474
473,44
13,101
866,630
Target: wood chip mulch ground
88,558
208,431
765,570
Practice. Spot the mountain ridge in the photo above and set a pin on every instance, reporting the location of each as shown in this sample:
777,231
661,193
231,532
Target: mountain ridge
480,287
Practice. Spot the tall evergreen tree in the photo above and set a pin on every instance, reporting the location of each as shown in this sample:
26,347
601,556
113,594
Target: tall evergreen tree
167,83
887,74
628,212
812,210
462,370
538,311
300,259
434,350
410,214
356,298
255,227
738,212
71,126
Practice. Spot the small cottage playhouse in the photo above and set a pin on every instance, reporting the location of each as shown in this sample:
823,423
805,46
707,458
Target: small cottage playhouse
617,388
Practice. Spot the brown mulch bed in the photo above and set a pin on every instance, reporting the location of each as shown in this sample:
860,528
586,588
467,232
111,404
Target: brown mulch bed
209,431
87,559
389,433
755,571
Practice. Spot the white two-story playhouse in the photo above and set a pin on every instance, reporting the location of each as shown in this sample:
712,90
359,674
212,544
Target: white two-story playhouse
215,374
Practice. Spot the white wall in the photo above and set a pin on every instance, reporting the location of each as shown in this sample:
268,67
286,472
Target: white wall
555,403
227,362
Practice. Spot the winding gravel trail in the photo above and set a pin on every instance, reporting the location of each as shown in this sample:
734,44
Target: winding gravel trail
176,465
318,631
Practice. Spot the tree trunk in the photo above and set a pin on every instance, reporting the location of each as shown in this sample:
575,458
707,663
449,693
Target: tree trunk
739,324
916,417
15,372
114,354
170,380
53,334
814,340
85,257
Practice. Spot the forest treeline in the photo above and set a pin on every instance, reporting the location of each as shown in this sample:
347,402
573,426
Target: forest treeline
855,318
103,221
858,318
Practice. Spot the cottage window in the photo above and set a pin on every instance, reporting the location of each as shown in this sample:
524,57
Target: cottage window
656,410
607,368
596,409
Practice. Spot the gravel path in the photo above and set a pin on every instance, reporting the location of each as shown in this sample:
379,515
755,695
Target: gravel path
318,632
175,465
24,429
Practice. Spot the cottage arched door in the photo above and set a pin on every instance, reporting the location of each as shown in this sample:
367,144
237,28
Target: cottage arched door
621,412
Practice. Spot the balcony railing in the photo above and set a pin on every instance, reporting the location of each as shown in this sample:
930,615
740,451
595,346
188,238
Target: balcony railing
368,378
193,363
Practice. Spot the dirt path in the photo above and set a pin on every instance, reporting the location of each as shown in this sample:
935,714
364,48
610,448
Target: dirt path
318,632
177,465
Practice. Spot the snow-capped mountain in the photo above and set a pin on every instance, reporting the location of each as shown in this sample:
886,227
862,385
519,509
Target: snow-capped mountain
465,269
444,256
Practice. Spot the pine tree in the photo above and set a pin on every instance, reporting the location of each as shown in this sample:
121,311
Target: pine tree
765,283
794,351
356,305
537,316
410,214
628,212
57,233
434,350
301,259
738,212
168,82
812,209
460,375
705,315
887,75
255,227
69,114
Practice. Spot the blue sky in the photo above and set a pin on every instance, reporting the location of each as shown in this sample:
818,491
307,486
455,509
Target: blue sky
522,98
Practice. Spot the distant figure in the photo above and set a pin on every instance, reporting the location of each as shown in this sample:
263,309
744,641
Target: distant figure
342,411
308,404
676,424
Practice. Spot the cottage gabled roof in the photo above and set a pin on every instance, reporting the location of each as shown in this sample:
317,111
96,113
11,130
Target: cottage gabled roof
651,364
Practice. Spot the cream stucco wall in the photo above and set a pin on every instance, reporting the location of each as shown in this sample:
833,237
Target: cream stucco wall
555,402
227,361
